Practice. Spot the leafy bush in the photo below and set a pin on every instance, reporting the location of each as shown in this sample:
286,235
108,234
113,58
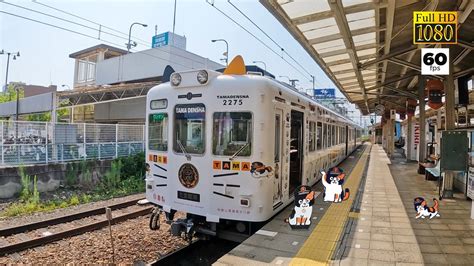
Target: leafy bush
74,200
124,177
71,174
25,184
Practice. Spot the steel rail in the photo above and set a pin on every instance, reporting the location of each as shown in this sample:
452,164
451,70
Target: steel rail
16,247
63,219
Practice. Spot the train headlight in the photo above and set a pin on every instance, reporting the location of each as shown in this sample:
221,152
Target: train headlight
175,79
202,76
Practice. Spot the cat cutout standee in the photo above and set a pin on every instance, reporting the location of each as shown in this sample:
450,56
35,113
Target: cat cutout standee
422,209
300,217
332,182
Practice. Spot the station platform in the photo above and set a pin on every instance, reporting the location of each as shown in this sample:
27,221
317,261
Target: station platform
375,226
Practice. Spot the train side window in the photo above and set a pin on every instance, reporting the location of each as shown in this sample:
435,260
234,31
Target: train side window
277,137
158,132
312,136
325,136
333,139
232,133
319,135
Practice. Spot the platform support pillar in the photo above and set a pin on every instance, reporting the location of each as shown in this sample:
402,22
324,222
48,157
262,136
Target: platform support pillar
391,137
409,138
421,105
450,123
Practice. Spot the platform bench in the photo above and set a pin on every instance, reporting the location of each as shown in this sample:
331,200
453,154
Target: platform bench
433,171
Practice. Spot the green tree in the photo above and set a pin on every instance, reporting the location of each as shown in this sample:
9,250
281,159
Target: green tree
10,94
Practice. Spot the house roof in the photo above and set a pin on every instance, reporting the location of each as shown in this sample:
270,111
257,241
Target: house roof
97,47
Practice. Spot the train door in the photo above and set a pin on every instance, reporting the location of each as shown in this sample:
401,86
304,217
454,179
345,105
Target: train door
278,179
296,150
347,139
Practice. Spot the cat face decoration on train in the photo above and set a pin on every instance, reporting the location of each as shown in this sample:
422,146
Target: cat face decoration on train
258,169
332,182
422,209
300,217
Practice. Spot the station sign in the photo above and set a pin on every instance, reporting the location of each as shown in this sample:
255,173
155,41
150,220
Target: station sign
435,61
160,40
438,27
324,93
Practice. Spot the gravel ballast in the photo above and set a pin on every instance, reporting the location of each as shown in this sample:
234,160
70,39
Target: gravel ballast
134,242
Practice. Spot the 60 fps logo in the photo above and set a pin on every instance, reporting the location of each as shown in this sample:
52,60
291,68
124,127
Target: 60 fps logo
435,61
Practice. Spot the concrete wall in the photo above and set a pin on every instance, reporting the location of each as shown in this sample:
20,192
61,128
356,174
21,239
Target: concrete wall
148,64
49,176
133,109
34,104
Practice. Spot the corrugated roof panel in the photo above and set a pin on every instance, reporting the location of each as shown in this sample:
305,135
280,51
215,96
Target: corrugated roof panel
317,33
360,16
323,23
335,58
329,46
364,38
363,23
347,3
299,8
366,52
346,75
341,67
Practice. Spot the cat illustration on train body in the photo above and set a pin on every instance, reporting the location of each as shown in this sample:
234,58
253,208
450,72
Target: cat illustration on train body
332,183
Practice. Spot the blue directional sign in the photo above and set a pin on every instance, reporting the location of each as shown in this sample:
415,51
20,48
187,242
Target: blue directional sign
325,93
160,40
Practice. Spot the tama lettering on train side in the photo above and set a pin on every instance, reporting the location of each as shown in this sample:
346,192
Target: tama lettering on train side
232,99
436,27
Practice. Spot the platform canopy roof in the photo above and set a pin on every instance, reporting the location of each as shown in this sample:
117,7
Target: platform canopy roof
366,46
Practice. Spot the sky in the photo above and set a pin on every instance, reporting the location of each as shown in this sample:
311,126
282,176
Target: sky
44,50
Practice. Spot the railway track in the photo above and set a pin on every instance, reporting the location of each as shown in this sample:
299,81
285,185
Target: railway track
75,224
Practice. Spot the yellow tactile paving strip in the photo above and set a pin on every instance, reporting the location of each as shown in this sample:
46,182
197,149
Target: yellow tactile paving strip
320,245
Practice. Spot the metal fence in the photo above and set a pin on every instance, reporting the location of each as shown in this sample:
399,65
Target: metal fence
44,142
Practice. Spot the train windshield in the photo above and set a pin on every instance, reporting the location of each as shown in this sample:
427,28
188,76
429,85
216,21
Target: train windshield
158,132
189,128
232,132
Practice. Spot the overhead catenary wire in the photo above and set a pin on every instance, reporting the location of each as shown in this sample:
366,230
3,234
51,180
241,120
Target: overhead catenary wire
85,19
62,19
258,39
90,36
276,43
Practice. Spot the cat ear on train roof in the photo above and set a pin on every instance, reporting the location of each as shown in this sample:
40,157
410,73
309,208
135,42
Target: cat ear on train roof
236,67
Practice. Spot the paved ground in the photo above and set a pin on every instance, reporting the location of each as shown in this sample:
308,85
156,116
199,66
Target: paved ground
448,239
382,234
387,232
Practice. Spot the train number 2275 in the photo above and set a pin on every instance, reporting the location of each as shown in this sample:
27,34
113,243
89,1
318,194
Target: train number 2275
232,102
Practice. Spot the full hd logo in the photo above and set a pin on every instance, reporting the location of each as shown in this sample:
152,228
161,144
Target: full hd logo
435,27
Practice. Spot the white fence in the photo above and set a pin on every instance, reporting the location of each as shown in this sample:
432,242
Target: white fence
43,142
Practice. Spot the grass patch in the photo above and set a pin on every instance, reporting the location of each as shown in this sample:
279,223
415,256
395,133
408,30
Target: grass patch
125,177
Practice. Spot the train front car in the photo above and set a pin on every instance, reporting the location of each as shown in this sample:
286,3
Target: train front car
207,152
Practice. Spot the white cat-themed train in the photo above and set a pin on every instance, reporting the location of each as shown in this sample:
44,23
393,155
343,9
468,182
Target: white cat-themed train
230,149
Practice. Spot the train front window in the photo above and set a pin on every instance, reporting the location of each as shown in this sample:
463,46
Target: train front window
158,132
232,133
189,130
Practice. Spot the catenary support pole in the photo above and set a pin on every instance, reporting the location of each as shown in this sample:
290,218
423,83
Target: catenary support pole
450,123
409,138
